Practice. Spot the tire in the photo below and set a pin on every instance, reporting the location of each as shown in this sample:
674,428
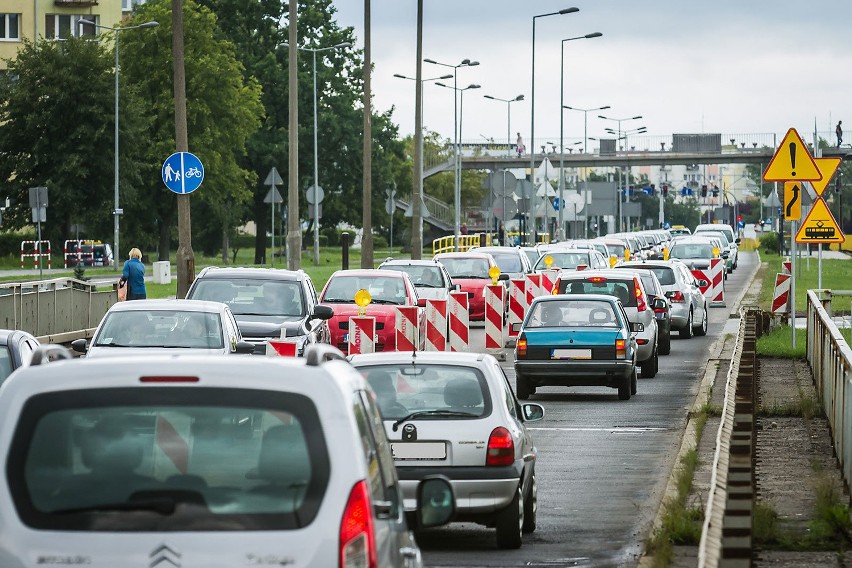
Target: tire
634,383
626,386
510,522
701,330
522,388
665,346
530,506
686,331
649,367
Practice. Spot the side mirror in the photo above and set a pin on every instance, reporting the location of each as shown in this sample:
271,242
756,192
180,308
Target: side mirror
245,348
659,304
421,302
532,412
671,294
323,312
637,327
702,283
737,240
80,345
436,504
725,254
503,277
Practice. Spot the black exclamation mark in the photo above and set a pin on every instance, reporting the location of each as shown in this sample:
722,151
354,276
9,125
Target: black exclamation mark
793,158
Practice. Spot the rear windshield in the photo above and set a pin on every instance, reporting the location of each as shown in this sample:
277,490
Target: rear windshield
249,296
421,276
168,459
718,234
572,313
161,328
691,251
341,289
466,267
532,255
622,288
430,390
564,259
664,274
616,249
507,262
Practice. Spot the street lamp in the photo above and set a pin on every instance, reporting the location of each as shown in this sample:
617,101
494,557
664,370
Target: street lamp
116,210
619,121
560,233
508,146
457,141
314,52
585,112
532,107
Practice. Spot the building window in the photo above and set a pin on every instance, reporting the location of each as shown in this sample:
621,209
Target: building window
128,5
61,26
10,27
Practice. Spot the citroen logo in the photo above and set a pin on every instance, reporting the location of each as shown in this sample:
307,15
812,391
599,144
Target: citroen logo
164,557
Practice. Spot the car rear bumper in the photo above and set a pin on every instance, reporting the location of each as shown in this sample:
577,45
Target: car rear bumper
609,373
477,489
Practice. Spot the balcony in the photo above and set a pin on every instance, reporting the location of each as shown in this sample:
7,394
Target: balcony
75,3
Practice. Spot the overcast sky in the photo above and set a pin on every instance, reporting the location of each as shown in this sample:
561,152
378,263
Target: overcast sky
728,66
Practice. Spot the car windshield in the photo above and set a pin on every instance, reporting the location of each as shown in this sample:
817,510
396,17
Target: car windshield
664,274
572,313
421,276
209,459
688,251
622,288
433,390
532,255
161,328
616,249
564,259
250,296
470,267
507,261
383,289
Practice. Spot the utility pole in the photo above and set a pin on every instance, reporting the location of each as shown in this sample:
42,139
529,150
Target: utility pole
294,235
417,193
185,256
367,236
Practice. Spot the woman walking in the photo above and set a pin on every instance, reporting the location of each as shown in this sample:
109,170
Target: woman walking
133,276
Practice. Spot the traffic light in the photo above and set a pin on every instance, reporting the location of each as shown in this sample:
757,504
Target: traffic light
715,191
665,191
703,191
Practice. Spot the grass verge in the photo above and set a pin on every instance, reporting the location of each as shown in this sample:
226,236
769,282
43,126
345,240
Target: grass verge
779,342
836,275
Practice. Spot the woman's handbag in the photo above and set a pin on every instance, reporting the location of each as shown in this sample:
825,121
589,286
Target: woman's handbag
122,290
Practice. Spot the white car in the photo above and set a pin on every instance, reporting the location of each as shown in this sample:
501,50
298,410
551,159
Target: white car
202,462
455,414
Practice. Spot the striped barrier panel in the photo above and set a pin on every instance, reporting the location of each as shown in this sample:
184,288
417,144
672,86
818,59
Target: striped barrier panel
407,332
518,305
36,252
494,298
459,322
781,295
533,287
717,284
703,275
787,267
362,335
281,348
548,281
436,325
172,445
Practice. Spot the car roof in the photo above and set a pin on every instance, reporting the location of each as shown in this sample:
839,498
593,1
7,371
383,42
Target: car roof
409,262
250,272
369,272
482,255
446,357
605,272
640,264
168,304
551,297
490,249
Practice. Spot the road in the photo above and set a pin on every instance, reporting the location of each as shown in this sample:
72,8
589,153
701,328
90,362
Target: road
602,464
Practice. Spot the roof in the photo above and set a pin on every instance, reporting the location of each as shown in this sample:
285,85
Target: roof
369,272
420,357
483,255
181,305
409,262
600,297
217,272
572,274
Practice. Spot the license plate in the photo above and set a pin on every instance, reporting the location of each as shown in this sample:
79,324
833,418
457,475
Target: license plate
345,338
571,354
419,450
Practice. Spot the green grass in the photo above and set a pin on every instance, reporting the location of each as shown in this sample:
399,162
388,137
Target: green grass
779,342
836,275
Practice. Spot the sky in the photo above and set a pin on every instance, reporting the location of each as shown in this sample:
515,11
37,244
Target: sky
685,66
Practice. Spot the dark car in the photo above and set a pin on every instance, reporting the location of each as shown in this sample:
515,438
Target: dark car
663,314
16,350
268,303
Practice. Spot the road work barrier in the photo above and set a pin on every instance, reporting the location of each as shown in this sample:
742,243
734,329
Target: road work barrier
518,305
533,288
781,294
281,348
436,325
37,250
494,309
717,282
362,335
548,281
407,330
459,322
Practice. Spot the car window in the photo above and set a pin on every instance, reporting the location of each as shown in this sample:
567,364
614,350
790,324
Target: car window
622,288
5,363
161,328
218,459
532,255
507,262
466,267
616,249
572,313
406,388
564,259
383,289
698,250
253,296
421,276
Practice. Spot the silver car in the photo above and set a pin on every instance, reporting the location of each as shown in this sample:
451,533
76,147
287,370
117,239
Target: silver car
431,280
729,232
566,257
455,414
203,462
688,304
626,286
510,260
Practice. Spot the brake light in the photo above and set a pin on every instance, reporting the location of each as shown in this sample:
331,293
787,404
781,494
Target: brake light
640,297
521,348
501,448
357,533
620,349
597,279
168,379
642,341
677,296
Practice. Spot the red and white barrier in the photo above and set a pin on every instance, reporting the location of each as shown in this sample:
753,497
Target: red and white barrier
533,288
362,335
459,322
281,348
172,447
35,252
787,267
494,309
436,325
717,283
407,330
781,295
703,275
518,305
548,281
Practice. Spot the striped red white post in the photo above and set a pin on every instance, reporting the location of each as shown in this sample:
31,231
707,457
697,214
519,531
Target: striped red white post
436,325
362,335
459,322
533,286
494,298
717,273
517,305
281,348
702,275
548,281
407,331
787,267
781,295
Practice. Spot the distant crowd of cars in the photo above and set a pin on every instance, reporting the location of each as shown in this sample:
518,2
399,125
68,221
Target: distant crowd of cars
135,451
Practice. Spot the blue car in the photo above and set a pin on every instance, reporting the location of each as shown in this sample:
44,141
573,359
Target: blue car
574,340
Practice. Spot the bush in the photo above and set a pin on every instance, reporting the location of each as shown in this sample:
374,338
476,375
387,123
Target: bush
769,242
379,242
10,243
332,236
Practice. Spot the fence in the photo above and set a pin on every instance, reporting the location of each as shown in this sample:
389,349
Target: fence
36,251
466,242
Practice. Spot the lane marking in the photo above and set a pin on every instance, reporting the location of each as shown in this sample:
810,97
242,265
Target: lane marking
624,429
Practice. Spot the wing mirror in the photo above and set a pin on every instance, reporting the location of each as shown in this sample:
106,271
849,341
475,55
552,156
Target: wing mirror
436,504
637,327
702,283
245,348
323,312
532,412
725,254
737,240
503,277
659,304
80,345
456,287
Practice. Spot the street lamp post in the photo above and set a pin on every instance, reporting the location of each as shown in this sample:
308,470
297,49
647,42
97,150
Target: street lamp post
116,210
532,109
619,121
314,52
457,141
508,147
585,112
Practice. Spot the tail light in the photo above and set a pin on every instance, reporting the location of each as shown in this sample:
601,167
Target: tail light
641,341
640,297
677,296
357,533
597,279
620,349
501,448
521,348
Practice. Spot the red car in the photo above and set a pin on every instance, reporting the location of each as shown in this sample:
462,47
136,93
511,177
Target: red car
470,271
388,288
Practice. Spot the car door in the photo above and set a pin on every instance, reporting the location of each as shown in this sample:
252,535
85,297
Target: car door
696,298
319,328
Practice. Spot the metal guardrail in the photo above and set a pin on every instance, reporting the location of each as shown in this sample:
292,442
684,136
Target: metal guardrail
466,242
830,359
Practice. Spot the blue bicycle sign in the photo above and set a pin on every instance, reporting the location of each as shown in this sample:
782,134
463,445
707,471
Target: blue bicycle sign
183,172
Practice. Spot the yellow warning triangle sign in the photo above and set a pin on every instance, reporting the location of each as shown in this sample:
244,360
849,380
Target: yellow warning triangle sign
827,167
819,226
792,161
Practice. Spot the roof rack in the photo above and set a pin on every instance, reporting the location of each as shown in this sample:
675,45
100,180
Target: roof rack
51,352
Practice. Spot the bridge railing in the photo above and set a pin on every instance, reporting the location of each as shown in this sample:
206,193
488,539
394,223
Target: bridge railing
56,310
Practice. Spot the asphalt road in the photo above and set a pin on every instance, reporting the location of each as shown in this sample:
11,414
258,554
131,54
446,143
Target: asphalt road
602,463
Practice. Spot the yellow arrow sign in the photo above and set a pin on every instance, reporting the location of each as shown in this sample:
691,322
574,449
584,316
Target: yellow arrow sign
819,226
827,167
792,200
792,161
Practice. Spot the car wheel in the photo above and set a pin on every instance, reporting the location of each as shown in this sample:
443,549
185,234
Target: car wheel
634,382
666,344
686,331
510,522
522,388
701,331
626,387
649,366
530,505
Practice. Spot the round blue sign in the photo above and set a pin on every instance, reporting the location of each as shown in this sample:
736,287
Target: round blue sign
182,172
